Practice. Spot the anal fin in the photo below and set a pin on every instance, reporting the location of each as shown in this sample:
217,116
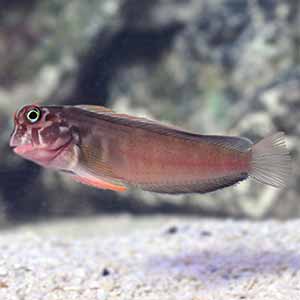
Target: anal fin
201,186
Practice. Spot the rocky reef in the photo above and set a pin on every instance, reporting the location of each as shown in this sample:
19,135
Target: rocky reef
211,66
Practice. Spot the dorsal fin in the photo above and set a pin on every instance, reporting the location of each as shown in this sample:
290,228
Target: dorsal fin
236,143
102,109
95,108
229,142
144,120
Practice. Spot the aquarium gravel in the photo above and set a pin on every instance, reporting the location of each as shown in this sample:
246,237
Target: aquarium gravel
151,258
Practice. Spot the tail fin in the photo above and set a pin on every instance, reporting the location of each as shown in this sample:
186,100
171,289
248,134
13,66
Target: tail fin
271,162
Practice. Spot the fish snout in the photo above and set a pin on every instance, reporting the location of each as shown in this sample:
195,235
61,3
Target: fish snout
15,140
19,137
16,144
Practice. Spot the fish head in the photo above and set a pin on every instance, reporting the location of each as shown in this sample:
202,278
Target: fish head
42,134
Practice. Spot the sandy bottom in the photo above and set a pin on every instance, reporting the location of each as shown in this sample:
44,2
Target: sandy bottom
151,258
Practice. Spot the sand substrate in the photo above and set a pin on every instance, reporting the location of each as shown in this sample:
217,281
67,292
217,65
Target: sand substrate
155,258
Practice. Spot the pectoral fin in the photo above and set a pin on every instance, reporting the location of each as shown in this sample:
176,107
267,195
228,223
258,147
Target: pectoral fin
94,170
93,162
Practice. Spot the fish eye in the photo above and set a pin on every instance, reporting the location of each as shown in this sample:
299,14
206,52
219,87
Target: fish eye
33,115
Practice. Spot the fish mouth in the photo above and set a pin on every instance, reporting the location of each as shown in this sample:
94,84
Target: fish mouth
41,155
22,149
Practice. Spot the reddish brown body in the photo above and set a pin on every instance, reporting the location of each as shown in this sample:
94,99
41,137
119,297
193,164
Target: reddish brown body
160,158
109,150
144,157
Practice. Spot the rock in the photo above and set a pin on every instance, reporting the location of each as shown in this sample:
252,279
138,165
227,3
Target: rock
41,44
219,67
227,71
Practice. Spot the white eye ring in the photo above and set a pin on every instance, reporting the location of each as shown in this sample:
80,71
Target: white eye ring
33,115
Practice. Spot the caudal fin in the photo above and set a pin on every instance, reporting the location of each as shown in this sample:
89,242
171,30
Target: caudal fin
271,161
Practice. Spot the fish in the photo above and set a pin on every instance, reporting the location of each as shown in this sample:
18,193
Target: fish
108,150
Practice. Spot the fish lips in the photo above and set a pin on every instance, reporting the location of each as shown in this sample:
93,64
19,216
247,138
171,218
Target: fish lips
20,147
23,149
40,155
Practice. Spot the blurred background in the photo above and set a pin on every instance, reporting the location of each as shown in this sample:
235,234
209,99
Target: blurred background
212,66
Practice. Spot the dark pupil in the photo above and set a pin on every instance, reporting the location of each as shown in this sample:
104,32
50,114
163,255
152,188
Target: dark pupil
33,115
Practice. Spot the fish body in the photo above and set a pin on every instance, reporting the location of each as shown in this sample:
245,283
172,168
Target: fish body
113,151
